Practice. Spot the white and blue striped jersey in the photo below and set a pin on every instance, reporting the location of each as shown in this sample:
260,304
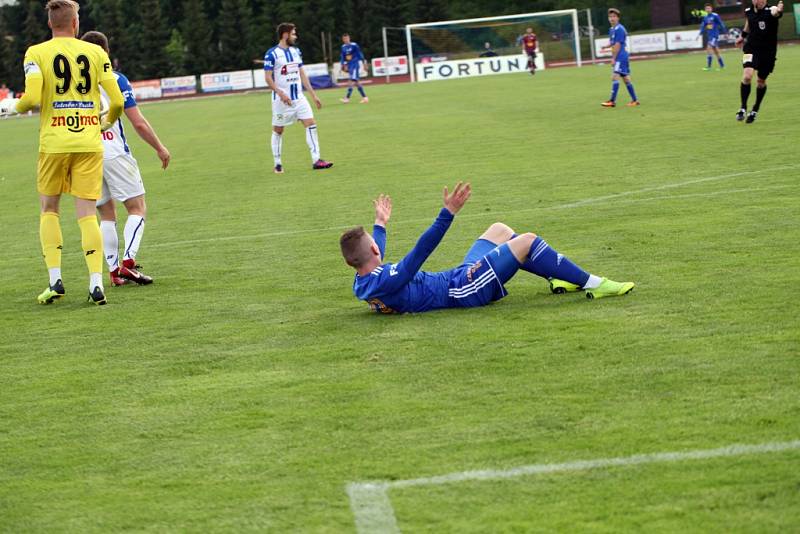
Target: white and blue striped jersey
114,142
285,64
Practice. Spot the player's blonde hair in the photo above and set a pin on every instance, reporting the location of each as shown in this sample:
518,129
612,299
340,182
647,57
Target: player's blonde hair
355,244
61,12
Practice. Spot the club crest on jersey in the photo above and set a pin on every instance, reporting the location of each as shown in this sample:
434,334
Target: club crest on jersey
762,25
471,271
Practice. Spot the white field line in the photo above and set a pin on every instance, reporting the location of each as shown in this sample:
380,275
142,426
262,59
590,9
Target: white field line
373,510
617,197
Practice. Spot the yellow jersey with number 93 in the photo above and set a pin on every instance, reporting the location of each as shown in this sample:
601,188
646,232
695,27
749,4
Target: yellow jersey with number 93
71,71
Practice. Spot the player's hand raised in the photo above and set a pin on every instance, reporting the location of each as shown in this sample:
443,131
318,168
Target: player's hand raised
455,201
383,209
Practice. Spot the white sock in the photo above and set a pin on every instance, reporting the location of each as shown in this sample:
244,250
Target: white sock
134,228
593,282
110,243
276,147
313,143
55,274
95,280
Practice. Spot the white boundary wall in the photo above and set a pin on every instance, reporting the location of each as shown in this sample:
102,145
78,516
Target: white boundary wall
645,43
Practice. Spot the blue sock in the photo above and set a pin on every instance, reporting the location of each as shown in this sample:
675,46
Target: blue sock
708,59
545,262
361,90
614,89
721,63
631,91
349,92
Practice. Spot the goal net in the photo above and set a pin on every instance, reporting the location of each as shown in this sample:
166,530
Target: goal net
471,47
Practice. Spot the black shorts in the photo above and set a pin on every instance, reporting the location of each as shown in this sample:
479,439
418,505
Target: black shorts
763,61
532,54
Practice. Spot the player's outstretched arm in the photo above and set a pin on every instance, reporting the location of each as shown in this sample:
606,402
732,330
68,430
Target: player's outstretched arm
383,211
148,134
32,97
404,271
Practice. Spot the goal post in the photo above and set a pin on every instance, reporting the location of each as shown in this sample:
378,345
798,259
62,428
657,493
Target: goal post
558,34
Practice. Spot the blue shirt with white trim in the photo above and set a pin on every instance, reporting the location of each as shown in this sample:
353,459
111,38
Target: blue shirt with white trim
402,287
712,25
351,54
619,35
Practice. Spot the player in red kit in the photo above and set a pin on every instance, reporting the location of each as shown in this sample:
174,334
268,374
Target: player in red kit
529,48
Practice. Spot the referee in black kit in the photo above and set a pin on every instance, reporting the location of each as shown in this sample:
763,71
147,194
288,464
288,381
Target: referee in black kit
760,37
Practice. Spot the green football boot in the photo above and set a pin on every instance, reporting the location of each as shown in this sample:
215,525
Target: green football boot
559,287
609,288
52,293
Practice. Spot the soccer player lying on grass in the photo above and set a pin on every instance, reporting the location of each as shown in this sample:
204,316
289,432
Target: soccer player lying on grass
492,261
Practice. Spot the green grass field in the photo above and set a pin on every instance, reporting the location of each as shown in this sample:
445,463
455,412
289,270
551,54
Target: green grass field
247,387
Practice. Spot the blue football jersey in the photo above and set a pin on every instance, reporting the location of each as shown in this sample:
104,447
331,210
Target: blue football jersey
712,25
401,287
618,35
351,53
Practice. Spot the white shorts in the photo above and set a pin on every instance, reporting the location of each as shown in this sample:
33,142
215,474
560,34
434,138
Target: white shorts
121,179
283,115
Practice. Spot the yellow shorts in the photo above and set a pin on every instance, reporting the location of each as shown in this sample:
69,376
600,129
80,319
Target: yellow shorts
77,173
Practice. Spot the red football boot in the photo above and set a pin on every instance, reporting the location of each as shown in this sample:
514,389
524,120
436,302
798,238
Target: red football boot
129,271
322,164
116,279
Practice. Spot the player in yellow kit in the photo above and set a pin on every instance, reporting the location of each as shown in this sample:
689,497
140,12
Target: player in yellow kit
62,78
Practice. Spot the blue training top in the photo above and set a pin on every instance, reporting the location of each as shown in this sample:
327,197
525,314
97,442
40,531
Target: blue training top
351,53
618,34
402,287
712,25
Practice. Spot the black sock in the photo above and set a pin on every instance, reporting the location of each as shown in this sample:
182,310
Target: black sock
760,92
745,91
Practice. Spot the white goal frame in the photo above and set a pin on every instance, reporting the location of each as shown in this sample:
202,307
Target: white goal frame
575,27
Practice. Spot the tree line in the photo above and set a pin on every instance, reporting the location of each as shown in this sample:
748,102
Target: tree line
158,38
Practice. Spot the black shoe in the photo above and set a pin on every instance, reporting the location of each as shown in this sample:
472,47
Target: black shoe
751,117
740,114
97,296
53,292
322,164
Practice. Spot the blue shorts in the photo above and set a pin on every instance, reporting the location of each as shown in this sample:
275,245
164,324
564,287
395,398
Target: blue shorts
479,280
353,71
713,42
622,67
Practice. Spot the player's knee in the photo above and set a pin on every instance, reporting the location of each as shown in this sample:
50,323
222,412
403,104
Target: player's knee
526,239
278,130
762,83
501,231
136,206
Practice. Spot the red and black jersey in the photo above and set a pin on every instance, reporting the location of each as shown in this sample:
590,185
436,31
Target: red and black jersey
529,42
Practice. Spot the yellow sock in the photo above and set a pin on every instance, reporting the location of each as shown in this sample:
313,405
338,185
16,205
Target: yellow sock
92,243
50,237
